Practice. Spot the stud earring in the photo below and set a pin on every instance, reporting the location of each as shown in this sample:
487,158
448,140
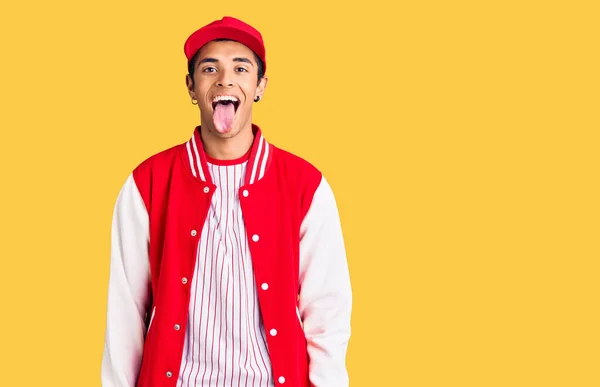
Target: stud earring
257,98
194,101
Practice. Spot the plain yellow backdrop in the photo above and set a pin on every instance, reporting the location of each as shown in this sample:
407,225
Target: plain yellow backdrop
460,138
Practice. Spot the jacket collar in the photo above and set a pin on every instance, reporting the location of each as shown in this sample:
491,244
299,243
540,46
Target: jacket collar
259,160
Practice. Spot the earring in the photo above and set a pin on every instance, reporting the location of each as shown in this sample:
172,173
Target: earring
257,98
196,101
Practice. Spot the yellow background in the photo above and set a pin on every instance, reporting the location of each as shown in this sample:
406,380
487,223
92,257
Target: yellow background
460,138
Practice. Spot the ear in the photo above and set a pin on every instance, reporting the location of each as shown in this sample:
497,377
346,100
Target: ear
189,83
262,85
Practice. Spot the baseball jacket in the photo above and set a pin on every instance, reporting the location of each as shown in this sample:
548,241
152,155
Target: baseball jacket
298,257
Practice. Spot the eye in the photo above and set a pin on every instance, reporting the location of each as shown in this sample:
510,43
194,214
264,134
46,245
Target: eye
242,69
209,70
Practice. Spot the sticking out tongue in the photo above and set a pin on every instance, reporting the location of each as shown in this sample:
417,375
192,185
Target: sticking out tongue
223,117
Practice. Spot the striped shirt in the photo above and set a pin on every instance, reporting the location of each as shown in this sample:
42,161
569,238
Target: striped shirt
225,342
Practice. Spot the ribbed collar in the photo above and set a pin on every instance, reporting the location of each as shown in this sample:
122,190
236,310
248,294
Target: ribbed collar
258,160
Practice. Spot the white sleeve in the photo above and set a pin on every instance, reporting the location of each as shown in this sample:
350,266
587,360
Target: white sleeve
325,299
128,289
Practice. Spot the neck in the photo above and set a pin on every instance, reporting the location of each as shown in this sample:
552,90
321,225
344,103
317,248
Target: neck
230,148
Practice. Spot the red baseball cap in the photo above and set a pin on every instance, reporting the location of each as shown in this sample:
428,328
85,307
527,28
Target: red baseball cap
226,28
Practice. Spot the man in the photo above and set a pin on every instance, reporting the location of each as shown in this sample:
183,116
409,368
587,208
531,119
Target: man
228,265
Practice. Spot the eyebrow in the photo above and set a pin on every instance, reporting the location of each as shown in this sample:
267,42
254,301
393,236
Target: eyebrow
245,60
236,59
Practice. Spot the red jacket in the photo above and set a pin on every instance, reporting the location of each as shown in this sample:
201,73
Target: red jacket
296,246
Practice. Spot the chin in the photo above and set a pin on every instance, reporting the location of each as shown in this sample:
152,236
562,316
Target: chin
227,134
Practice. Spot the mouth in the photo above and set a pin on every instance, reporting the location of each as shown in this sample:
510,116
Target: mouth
226,100
224,112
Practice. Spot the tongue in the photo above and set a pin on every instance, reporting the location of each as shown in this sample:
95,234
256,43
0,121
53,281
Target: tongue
223,117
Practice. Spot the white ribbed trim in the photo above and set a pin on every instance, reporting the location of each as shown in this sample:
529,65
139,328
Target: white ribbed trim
187,145
257,159
200,172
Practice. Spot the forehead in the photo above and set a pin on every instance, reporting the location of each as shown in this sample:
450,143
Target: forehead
225,50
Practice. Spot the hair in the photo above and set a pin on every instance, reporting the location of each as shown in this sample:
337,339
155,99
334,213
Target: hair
192,62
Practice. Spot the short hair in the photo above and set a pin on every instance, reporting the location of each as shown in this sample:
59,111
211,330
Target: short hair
192,62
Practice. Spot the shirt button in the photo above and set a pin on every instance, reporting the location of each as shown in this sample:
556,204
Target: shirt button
265,286
273,332
169,374
184,280
206,189
281,379
245,193
194,233
255,238
177,327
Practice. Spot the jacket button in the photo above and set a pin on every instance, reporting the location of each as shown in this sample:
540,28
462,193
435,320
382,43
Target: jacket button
169,374
206,189
281,379
184,280
177,327
273,332
255,238
265,286
245,193
194,232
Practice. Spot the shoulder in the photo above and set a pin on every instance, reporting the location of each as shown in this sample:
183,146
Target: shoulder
301,177
157,163
295,165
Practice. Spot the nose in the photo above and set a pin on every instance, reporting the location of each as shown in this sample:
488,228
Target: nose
223,80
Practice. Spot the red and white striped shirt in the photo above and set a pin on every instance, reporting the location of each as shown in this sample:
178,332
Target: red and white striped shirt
225,342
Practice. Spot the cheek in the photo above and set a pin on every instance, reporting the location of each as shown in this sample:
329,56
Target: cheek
250,91
202,89
201,86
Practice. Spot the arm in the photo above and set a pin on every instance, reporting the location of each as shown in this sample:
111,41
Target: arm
128,289
325,301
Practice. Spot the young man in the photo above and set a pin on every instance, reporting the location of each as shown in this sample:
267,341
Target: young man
228,265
